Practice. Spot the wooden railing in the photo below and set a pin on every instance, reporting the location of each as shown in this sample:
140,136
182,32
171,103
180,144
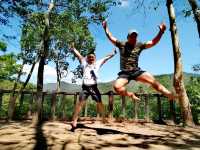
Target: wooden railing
110,95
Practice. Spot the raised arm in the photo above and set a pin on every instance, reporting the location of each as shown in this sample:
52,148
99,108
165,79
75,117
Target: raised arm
157,38
76,52
109,56
108,33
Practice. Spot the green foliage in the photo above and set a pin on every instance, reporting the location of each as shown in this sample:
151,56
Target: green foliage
9,66
196,67
19,112
3,46
68,22
193,91
8,85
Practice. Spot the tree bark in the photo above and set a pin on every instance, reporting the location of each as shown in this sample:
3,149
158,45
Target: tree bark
29,75
196,13
37,115
13,97
58,88
27,79
178,68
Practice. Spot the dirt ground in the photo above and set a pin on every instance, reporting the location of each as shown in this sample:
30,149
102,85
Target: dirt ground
94,135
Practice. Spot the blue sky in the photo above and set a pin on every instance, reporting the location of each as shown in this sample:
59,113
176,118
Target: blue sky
156,60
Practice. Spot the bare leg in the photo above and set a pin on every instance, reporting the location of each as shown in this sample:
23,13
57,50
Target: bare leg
77,110
119,87
148,78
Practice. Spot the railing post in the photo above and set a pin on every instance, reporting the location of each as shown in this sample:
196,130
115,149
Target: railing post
110,104
135,110
172,111
63,105
30,110
75,99
21,100
146,107
11,106
86,108
37,117
123,106
42,106
159,109
53,106
1,98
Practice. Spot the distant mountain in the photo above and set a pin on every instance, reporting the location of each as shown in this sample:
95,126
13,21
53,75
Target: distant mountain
65,87
165,79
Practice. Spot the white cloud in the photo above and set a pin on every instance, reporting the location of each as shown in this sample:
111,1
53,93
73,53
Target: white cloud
49,74
124,3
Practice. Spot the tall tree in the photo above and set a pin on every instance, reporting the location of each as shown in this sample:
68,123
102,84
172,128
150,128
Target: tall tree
196,13
178,68
67,22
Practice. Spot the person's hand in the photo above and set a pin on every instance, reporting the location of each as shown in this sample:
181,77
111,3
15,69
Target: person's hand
51,5
114,52
71,46
162,27
104,24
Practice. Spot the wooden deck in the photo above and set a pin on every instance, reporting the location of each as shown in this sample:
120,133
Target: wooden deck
94,135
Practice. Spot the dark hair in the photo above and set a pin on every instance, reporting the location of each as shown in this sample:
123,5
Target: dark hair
131,34
91,52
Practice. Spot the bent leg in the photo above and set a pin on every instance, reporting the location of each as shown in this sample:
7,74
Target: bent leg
119,87
149,79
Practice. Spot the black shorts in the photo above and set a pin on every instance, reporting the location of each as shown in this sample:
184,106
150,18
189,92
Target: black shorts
88,90
130,75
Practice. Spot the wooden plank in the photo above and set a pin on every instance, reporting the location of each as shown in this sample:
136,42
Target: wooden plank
172,111
86,109
146,107
63,106
123,106
53,106
1,99
110,104
135,110
159,106
30,106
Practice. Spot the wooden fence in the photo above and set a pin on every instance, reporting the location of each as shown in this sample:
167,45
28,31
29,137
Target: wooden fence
110,95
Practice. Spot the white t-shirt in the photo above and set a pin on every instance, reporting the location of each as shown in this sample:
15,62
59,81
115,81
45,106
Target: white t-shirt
90,71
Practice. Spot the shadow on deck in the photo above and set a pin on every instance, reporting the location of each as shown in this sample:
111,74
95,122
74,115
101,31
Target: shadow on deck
95,135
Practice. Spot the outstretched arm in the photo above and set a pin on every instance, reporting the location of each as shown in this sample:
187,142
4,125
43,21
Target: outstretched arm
109,56
108,33
76,52
153,42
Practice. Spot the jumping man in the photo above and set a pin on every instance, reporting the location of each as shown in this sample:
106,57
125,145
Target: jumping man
129,54
89,86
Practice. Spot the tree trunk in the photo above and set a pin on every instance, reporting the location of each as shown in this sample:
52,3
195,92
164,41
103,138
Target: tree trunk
58,77
12,101
29,75
37,116
196,13
178,69
27,80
